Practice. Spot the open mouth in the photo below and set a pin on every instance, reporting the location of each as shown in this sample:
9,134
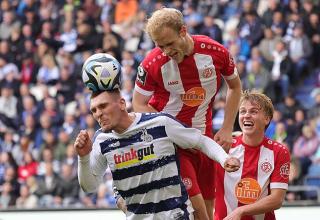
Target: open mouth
248,124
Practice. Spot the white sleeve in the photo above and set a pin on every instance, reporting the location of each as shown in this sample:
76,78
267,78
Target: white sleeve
186,137
91,169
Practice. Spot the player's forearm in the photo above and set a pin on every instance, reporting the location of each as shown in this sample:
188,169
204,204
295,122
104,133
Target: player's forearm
213,150
231,107
264,205
87,180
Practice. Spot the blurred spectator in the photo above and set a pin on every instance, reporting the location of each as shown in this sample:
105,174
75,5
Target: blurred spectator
267,45
26,200
108,10
125,10
69,37
300,51
8,142
278,25
47,156
25,145
29,167
69,186
314,111
305,147
272,7
312,29
280,134
9,22
48,72
66,86
257,77
29,69
280,70
48,188
8,102
7,198
251,28
289,106
126,92
211,29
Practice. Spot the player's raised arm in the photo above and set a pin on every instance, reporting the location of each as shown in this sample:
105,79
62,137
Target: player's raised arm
192,138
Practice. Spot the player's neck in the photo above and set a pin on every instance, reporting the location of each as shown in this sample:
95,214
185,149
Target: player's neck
189,45
126,122
252,140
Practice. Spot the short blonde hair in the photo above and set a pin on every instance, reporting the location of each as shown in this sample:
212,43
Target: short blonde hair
260,99
165,17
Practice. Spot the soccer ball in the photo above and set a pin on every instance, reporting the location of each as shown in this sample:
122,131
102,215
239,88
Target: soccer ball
101,72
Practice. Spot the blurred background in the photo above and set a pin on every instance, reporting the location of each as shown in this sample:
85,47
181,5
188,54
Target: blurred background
43,102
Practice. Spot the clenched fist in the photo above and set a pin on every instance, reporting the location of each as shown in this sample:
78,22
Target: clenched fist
83,143
232,164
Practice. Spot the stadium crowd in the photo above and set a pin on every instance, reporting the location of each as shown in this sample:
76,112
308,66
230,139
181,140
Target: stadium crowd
44,104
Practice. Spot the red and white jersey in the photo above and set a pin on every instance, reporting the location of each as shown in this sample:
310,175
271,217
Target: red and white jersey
262,168
186,90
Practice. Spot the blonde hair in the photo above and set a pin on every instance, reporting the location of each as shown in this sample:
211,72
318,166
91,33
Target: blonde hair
164,17
260,99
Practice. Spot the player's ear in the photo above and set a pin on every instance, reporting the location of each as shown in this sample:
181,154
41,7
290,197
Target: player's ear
183,31
123,105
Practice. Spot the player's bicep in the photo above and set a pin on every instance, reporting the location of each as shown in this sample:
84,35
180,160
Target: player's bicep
233,81
184,137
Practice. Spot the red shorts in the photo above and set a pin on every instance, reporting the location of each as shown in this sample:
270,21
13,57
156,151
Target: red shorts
198,173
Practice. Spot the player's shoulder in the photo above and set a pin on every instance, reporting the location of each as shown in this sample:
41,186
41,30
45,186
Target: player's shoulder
205,44
275,146
155,58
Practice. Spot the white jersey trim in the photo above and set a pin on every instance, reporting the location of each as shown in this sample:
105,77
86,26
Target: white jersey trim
142,91
232,76
278,185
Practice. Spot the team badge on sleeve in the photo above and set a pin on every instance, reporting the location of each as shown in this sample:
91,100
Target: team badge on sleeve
142,75
285,170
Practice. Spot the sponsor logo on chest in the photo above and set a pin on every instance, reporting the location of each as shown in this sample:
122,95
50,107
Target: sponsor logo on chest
194,96
133,156
247,190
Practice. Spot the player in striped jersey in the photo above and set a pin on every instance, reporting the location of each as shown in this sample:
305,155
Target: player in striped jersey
140,150
182,77
260,185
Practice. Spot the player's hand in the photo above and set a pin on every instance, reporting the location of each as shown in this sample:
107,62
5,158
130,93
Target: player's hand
235,215
121,204
83,143
232,164
224,139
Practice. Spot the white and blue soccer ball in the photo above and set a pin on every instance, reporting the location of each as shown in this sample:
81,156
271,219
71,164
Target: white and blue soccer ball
101,72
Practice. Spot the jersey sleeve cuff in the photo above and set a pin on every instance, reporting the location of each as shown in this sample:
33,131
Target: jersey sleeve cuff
142,91
278,185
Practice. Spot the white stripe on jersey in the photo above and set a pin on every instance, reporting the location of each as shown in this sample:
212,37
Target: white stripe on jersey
209,84
266,155
168,170
232,179
170,73
156,196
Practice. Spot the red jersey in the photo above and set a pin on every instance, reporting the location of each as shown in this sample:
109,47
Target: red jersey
186,90
262,168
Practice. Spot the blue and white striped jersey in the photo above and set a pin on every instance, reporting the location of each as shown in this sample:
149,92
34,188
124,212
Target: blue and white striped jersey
145,166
